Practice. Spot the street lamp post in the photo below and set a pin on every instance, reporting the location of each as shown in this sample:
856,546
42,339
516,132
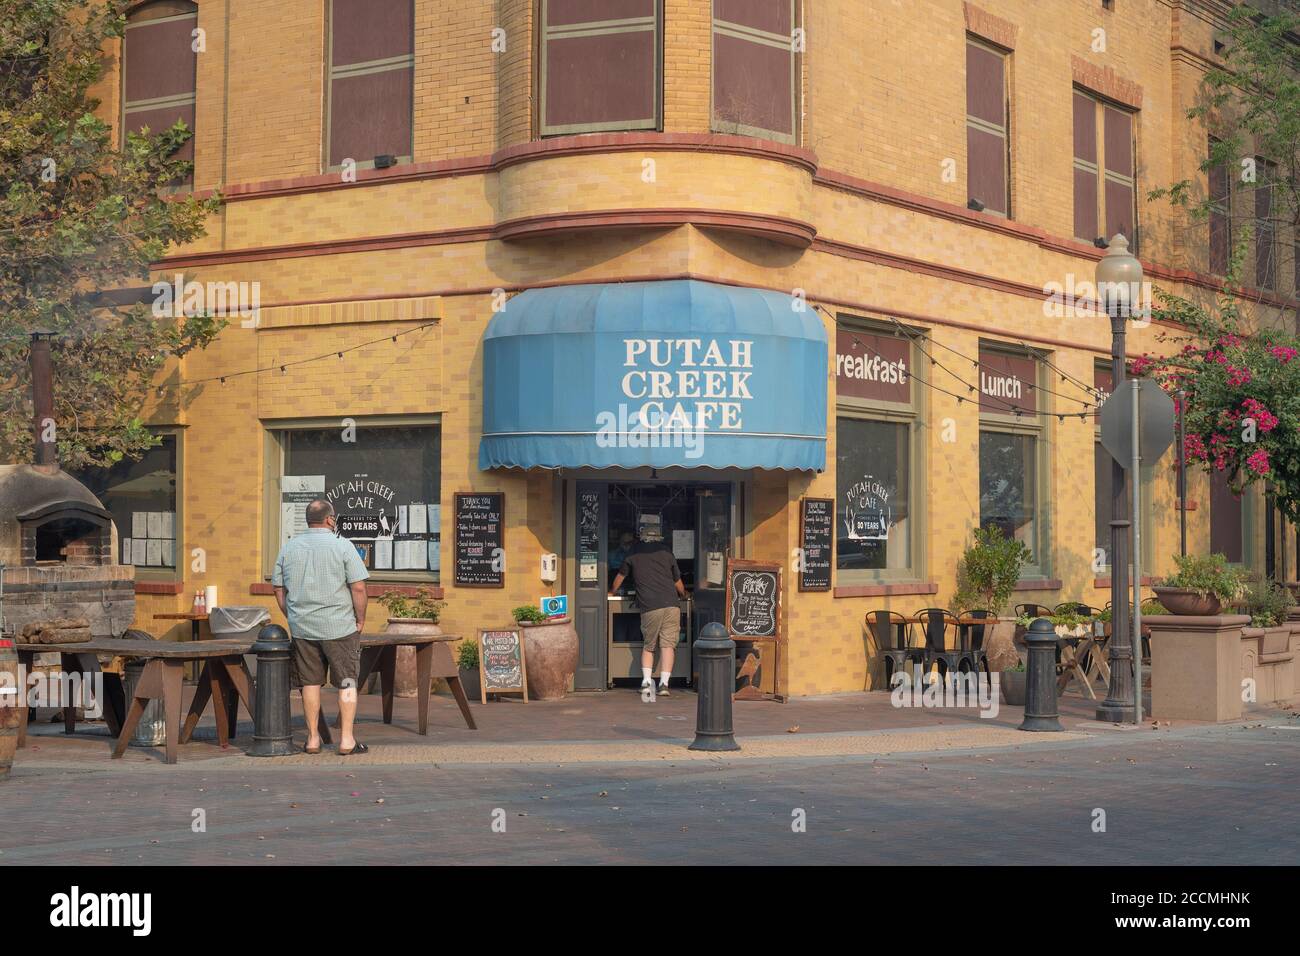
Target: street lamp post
1119,281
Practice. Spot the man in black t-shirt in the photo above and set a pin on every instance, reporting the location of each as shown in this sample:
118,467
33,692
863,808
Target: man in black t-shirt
659,587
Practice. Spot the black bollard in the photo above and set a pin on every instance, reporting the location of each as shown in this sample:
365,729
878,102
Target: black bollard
272,736
715,653
1040,678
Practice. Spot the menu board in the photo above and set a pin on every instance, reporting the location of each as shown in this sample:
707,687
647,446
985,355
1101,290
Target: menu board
501,665
589,537
753,600
480,540
816,523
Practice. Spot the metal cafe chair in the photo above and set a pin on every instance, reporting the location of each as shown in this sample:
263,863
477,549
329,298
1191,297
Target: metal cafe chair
892,632
1146,635
937,623
978,656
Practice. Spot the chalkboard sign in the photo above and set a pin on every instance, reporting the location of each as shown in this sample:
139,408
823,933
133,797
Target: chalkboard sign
753,600
816,524
501,665
480,540
589,538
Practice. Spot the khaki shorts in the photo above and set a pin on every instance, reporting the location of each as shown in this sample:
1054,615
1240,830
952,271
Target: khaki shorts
660,628
341,657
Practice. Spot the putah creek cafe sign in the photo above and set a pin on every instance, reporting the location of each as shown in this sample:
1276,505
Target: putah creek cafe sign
680,385
1007,383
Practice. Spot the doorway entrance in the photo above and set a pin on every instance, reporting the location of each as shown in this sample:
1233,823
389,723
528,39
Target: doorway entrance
697,520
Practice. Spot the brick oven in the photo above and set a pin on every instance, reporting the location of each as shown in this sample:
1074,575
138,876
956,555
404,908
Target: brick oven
57,551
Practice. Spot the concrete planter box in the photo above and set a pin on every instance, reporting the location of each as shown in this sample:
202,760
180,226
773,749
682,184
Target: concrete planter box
1013,687
1268,659
1196,666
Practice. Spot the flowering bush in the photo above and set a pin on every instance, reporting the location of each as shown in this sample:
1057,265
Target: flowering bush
1242,395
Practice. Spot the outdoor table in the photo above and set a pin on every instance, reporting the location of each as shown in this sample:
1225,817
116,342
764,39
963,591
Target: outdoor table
84,660
964,624
432,659
196,619
1074,649
224,676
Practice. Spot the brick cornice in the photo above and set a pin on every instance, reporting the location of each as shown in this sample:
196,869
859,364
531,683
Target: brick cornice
1106,81
988,27
779,229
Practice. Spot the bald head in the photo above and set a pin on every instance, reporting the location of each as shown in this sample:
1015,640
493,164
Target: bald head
318,509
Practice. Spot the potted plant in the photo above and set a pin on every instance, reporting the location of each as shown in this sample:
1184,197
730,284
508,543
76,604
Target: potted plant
987,576
551,649
467,662
415,614
1267,603
1150,608
1202,585
1012,681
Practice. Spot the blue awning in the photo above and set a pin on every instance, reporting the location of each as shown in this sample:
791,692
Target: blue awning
654,374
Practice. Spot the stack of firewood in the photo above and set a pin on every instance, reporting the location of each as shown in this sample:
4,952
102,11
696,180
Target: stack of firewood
59,630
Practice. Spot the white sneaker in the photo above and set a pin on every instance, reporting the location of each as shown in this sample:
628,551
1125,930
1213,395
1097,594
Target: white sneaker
647,690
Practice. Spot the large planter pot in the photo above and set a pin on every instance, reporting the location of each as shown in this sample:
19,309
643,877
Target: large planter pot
404,683
551,656
1000,644
1185,602
1013,687
469,682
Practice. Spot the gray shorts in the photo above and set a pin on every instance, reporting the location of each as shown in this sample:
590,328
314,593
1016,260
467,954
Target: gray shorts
660,628
311,659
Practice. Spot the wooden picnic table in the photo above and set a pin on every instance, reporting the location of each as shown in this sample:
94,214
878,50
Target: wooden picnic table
432,659
224,677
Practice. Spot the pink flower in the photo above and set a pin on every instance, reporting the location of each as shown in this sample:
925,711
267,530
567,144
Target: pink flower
1258,462
1265,419
1283,353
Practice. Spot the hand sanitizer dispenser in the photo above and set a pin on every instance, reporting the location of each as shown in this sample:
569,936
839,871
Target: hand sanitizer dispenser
550,568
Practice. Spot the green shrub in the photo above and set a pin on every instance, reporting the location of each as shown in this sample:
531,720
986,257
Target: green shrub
1267,602
989,571
528,614
1207,575
467,655
421,606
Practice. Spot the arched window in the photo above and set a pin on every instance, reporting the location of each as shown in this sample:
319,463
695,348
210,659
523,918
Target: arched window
372,69
158,69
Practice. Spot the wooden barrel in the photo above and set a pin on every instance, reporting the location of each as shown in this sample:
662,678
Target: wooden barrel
10,688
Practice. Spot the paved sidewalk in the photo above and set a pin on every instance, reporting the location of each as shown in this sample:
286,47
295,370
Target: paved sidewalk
614,726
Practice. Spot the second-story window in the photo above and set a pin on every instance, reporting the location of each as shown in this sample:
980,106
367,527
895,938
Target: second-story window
158,70
1220,191
600,68
1105,171
1265,234
755,79
988,179
372,65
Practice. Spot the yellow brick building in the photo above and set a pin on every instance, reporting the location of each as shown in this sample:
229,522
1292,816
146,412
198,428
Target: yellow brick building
398,173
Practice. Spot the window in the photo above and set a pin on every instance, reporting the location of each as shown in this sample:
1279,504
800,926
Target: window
1220,189
385,485
1013,466
372,69
142,496
1265,231
1227,520
1105,184
988,179
158,70
755,82
877,472
600,65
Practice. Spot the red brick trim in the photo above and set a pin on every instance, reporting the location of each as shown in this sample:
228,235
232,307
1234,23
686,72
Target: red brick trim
1190,506
1106,81
1147,581
1039,584
159,587
886,590
779,229
655,142
985,25
336,247
372,590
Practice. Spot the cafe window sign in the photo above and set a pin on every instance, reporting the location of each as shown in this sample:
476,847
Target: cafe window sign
1008,383
871,367
384,484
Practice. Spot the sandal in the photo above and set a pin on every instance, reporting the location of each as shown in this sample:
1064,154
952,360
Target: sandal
309,750
360,748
